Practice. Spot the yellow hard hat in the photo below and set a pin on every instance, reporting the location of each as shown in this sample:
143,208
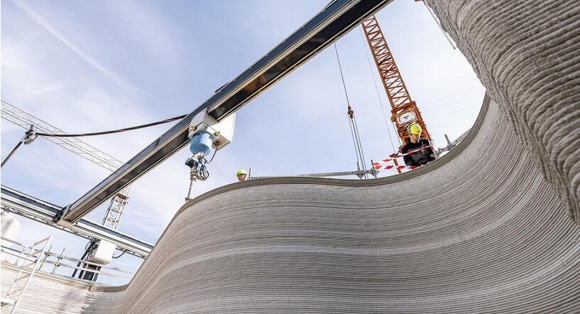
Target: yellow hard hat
414,128
241,171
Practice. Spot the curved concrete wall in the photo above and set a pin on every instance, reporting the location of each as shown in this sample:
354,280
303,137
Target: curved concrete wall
525,53
46,293
482,230
469,233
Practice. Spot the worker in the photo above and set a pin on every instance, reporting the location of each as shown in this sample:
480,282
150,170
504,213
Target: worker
424,153
241,174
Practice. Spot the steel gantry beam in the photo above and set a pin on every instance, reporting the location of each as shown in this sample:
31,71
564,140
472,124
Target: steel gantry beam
33,208
335,20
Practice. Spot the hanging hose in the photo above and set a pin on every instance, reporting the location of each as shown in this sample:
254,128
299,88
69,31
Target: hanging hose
88,248
124,251
352,122
114,131
11,153
29,137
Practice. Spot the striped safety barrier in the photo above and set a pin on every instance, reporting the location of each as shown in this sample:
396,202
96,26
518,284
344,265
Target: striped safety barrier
396,167
379,164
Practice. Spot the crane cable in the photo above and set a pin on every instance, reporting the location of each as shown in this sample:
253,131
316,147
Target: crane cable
352,122
379,96
439,24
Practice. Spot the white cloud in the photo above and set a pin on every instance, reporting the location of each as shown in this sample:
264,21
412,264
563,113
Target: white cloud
40,20
142,23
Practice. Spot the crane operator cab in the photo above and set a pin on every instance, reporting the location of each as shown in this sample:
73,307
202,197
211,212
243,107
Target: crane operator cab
417,151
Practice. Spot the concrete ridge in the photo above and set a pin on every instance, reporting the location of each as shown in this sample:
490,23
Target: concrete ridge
312,245
351,182
482,230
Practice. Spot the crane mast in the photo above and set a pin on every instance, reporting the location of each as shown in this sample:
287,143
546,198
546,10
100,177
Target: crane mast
403,110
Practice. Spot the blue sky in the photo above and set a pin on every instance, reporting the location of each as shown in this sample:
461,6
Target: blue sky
87,66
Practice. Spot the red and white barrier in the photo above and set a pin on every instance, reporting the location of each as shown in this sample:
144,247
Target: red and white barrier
395,167
379,164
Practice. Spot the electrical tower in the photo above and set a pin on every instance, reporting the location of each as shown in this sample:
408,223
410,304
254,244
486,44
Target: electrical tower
403,110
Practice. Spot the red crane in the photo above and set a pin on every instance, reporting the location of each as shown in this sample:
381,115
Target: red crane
404,110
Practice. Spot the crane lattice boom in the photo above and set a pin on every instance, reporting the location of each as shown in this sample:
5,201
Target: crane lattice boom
403,109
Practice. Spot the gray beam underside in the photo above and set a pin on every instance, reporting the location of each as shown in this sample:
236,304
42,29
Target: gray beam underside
334,21
39,210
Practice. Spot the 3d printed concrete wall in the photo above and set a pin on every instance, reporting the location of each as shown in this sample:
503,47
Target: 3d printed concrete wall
525,53
468,234
482,230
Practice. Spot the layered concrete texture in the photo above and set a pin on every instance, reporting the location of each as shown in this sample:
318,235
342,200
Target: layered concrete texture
46,293
526,53
469,233
484,229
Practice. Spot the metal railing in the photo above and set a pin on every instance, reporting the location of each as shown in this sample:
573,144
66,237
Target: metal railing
30,256
58,260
